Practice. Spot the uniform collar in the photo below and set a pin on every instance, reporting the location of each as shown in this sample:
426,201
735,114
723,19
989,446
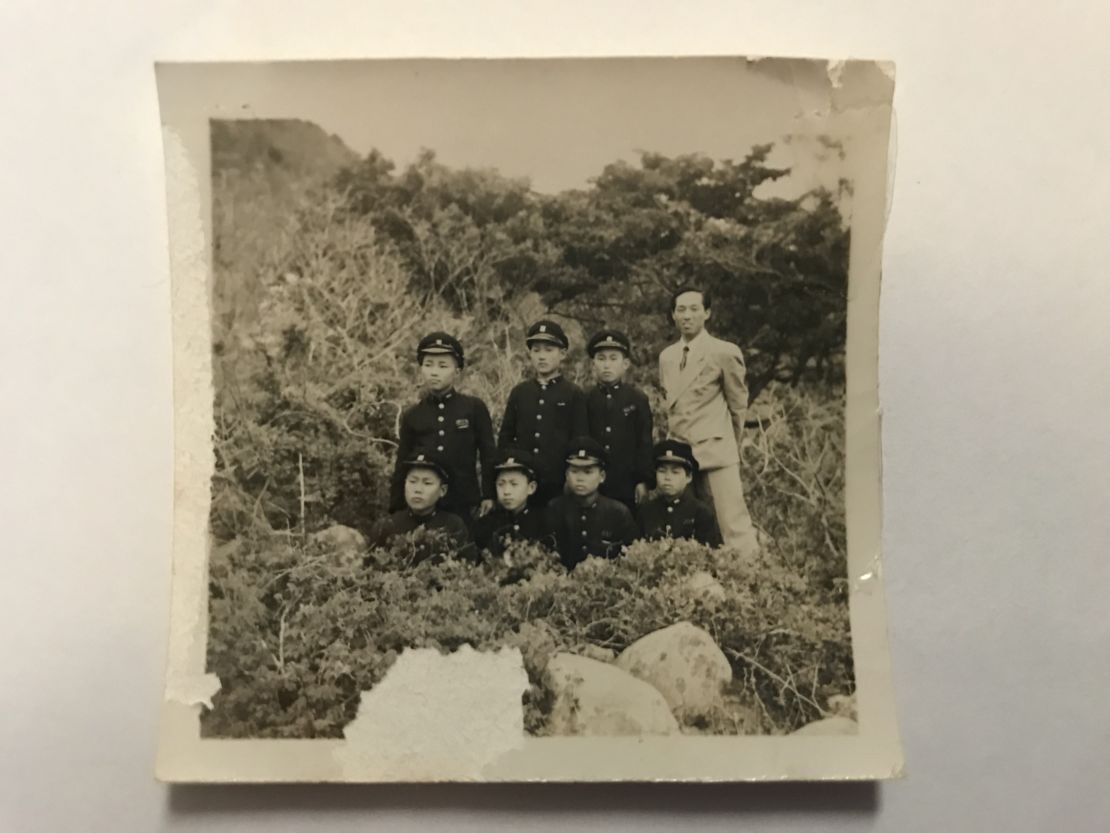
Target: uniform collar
545,385
614,386
422,518
675,501
441,397
594,501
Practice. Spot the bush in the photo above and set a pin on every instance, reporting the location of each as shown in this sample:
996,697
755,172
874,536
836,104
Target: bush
296,633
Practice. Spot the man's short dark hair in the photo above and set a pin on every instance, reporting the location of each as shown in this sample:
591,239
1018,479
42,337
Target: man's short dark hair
682,290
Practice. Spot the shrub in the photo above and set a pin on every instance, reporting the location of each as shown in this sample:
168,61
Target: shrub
296,633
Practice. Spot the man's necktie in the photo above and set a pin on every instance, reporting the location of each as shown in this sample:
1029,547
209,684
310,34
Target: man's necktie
685,353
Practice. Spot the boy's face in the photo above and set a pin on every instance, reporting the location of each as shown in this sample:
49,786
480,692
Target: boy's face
513,489
423,489
545,357
690,313
438,371
610,365
585,480
672,478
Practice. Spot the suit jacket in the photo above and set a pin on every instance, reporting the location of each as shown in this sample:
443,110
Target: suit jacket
706,401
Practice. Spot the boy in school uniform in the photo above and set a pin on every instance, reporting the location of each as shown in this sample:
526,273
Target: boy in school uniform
513,519
619,418
675,512
544,413
453,425
584,522
426,479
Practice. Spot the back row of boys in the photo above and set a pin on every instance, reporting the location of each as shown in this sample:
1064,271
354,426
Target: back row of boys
574,468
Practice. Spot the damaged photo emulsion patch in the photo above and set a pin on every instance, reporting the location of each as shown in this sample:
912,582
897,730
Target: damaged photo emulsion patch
526,420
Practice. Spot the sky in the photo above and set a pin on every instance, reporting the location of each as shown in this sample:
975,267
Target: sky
558,123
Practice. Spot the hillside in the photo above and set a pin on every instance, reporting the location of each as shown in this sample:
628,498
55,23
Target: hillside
261,171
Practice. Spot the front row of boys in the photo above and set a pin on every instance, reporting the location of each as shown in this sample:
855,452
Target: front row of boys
573,466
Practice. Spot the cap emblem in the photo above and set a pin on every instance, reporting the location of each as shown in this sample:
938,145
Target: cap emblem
420,458
543,328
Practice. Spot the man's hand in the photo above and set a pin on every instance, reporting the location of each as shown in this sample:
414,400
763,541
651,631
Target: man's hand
485,507
641,493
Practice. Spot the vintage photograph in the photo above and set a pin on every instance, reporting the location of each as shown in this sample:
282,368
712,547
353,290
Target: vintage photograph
525,410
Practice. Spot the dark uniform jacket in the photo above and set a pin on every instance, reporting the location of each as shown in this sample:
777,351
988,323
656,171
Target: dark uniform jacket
449,524
543,418
459,428
620,419
600,529
494,531
681,517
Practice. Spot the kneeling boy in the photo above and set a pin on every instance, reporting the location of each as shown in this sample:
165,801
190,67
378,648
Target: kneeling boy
583,521
513,519
674,512
426,481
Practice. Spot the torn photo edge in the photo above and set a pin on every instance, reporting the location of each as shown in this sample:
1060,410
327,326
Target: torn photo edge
860,93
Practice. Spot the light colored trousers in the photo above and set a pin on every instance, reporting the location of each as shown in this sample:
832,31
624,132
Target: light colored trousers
723,489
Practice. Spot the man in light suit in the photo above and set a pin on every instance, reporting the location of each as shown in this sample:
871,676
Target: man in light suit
706,398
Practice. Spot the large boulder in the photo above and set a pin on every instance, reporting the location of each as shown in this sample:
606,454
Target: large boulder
595,698
683,663
830,726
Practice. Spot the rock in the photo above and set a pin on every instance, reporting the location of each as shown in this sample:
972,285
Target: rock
348,544
829,726
597,652
595,698
683,663
703,585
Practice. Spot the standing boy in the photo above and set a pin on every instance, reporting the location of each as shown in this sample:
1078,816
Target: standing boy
675,512
585,522
456,426
703,378
513,519
619,417
425,482
544,413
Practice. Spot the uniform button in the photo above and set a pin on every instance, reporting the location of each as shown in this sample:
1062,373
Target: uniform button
441,406
583,533
441,432
516,527
539,416
439,448
541,401
441,417
535,451
606,448
537,435
607,429
670,508
608,396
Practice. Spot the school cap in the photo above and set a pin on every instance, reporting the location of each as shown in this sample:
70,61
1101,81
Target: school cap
586,451
609,340
675,451
425,459
513,459
549,332
440,344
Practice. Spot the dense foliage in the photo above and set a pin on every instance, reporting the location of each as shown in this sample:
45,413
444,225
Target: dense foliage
299,632
329,268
